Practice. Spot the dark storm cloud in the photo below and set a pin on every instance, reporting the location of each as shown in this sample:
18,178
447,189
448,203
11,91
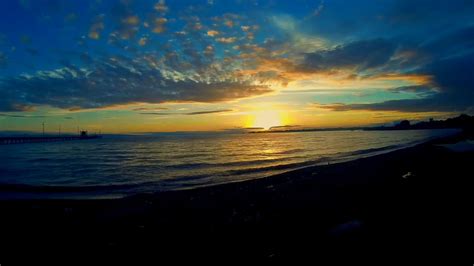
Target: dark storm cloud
360,55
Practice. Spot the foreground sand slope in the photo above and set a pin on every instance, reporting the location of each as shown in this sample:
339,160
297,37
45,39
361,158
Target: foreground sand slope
406,199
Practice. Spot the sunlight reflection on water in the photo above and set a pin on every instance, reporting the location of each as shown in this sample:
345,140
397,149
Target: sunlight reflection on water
146,163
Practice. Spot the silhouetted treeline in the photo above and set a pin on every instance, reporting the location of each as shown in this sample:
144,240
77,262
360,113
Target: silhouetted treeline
463,121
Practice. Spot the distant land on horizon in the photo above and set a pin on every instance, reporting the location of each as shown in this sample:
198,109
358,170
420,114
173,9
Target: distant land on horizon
462,121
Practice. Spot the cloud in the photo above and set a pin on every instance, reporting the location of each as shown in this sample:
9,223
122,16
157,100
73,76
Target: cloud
422,51
325,91
125,21
451,90
245,28
409,105
143,41
318,10
210,112
445,81
226,39
418,89
159,25
229,23
119,81
358,55
209,51
131,20
161,114
23,116
97,27
284,127
149,108
212,33
161,6
191,113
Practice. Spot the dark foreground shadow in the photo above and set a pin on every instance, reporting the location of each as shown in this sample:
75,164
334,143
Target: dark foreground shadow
411,201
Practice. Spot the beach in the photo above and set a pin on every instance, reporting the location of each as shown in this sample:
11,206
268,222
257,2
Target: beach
404,199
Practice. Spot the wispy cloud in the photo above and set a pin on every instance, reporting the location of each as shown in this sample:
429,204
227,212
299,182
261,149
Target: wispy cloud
23,116
210,112
190,113
149,108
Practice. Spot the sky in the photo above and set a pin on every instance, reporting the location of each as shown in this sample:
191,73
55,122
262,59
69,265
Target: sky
126,66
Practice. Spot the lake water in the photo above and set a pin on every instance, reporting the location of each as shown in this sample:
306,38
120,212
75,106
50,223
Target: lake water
116,166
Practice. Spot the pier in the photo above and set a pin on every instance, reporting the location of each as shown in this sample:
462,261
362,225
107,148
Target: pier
38,139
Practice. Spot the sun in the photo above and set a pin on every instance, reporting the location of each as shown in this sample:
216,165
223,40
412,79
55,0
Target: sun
267,119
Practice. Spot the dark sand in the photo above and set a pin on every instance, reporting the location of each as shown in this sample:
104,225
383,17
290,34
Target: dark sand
411,201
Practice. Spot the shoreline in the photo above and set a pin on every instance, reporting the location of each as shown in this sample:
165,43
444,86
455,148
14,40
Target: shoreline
403,194
101,192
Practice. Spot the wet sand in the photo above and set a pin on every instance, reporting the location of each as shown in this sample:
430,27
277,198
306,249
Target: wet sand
403,202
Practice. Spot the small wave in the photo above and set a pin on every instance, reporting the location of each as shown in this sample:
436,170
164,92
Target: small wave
185,156
36,160
291,151
186,178
272,168
189,165
238,163
366,151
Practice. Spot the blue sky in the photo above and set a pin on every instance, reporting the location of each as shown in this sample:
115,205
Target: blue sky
214,64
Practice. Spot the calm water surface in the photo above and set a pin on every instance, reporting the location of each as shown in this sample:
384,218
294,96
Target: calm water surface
116,166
